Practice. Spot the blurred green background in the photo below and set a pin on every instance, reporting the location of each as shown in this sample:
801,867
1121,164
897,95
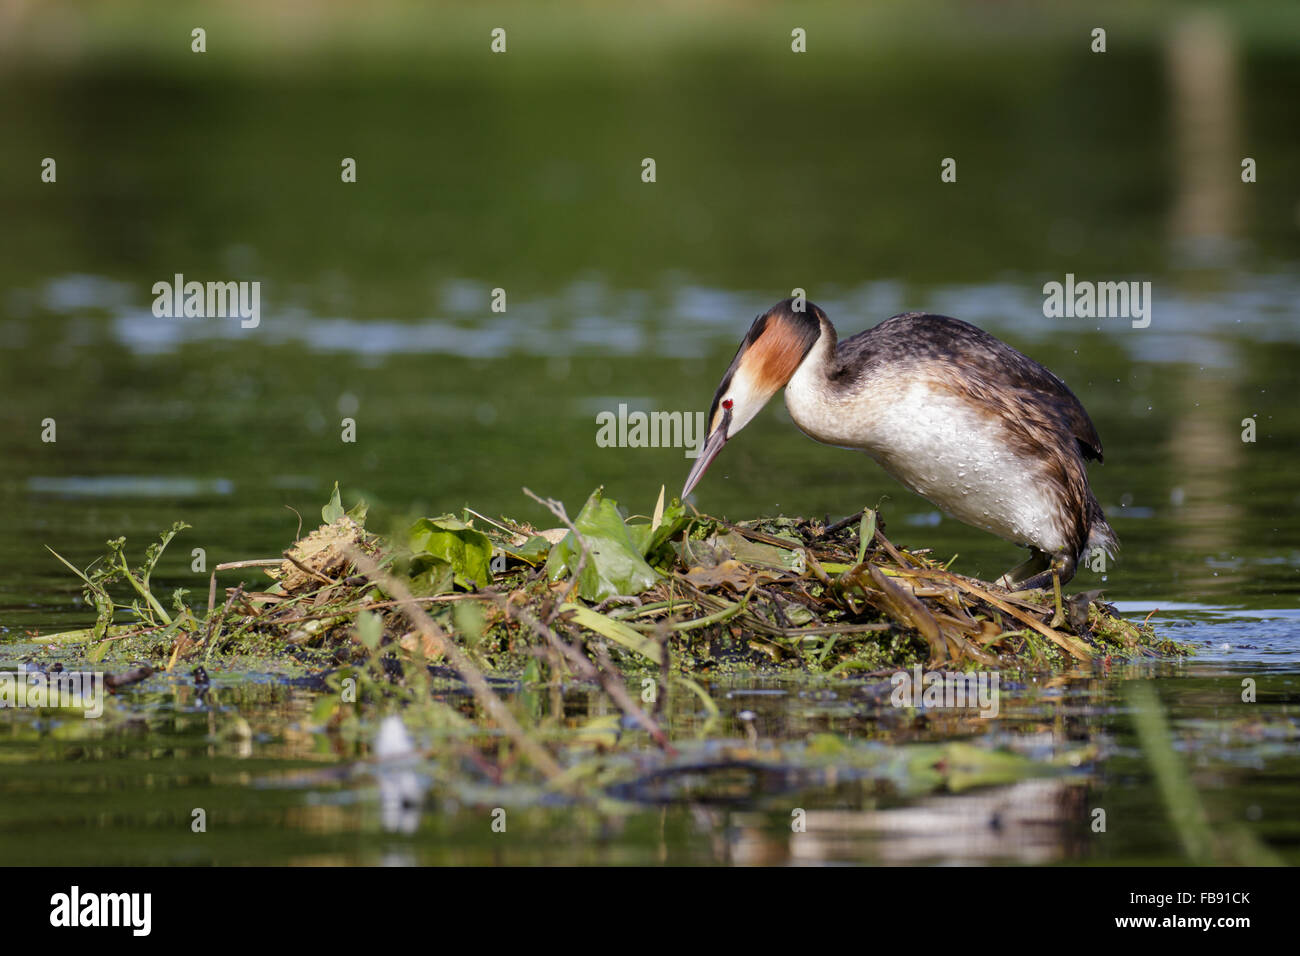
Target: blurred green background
522,171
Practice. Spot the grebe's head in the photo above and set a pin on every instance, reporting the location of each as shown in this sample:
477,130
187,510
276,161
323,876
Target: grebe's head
773,349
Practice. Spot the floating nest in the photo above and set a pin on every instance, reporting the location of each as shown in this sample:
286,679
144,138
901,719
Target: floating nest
677,590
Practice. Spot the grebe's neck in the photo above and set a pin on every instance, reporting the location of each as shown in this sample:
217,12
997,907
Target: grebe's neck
816,402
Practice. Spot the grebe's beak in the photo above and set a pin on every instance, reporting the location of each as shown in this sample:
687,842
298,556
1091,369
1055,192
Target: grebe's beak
712,446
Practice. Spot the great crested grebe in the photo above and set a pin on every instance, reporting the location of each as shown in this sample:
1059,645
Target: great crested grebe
986,434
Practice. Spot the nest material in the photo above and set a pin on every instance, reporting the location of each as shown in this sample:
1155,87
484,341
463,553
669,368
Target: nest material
782,591
319,558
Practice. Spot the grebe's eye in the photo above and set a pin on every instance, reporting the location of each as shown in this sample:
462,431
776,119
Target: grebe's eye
726,403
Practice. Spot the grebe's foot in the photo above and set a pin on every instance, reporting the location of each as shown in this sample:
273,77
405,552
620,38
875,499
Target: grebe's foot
1057,569
1031,570
1059,617
1041,571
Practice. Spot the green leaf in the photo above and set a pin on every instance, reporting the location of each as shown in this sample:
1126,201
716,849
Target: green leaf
533,551
615,563
756,553
358,511
333,511
866,532
70,566
448,539
616,631
651,537
430,576
155,550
